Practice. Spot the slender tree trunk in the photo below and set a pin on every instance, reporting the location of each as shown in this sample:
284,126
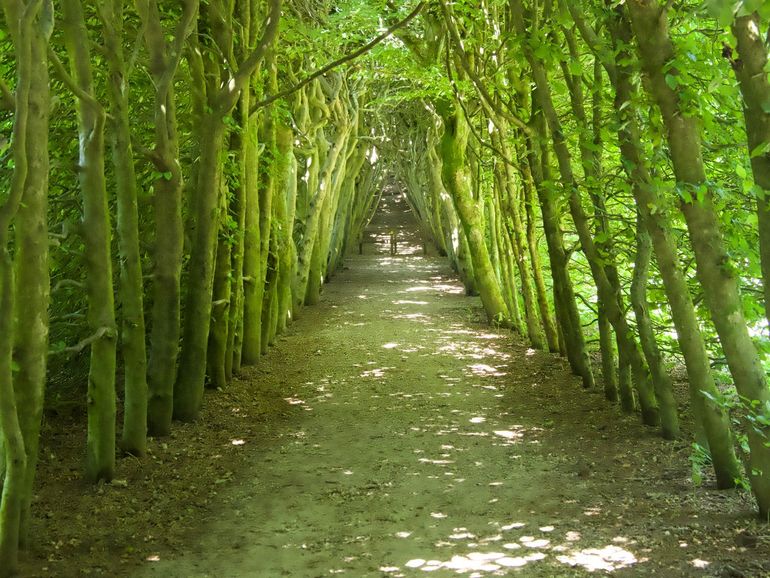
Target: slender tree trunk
564,295
28,37
134,436
32,296
100,447
169,228
216,352
751,71
252,271
188,390
717,276
519,244
712,418
549,325
664,389
455,179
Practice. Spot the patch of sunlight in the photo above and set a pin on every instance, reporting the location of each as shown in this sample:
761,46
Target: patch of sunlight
509,434
513,526
531,542
592,511
476,562
478,419
238,442
436,462
421,316
378,372
293,401
698,563
531,352
403,534
546,528
519,561
390,346
389,569
512,546
442,287
363,297
461,535
153,558
437,515
407,302
482,369
608,558
572,536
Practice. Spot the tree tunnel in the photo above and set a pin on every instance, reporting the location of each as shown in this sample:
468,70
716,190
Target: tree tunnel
181,180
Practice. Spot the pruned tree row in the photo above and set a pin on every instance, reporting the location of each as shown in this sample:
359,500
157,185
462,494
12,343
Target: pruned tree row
181,178
170,223
618,134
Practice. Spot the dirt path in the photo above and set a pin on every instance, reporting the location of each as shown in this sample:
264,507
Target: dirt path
432,443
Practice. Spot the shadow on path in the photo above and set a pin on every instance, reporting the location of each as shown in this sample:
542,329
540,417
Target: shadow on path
431,443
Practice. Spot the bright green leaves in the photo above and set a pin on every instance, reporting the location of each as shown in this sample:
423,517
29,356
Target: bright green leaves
725,11
760,150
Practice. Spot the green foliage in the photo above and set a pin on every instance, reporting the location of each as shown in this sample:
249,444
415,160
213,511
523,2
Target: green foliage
700,461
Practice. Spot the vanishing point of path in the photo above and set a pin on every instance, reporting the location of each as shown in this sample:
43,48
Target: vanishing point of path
433,444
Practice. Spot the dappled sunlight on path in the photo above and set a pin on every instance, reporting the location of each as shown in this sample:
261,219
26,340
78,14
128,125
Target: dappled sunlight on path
420,450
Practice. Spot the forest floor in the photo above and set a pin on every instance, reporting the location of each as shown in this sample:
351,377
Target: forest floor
392,433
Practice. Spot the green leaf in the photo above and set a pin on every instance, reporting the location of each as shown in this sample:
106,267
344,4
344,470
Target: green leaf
760,150
575,67
672,81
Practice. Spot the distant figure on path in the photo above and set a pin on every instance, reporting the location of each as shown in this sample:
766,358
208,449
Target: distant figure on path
393,242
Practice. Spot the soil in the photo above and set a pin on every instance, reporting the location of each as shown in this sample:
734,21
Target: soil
392,433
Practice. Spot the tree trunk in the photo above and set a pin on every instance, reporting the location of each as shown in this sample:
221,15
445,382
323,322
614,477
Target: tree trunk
167,204
134,435
712,418
664,389
100,447
751,71
714,268
455,179
188,390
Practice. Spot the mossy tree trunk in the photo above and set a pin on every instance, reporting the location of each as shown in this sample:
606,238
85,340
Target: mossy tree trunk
624,335
456,181
96,230
165,57
131,292
751,70
21,391
714,268
222,92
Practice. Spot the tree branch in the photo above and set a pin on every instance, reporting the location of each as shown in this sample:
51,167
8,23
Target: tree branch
477,82
340,61
101,333
228,95
69,82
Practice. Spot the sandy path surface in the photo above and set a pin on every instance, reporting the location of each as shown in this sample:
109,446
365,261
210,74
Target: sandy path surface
433,444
